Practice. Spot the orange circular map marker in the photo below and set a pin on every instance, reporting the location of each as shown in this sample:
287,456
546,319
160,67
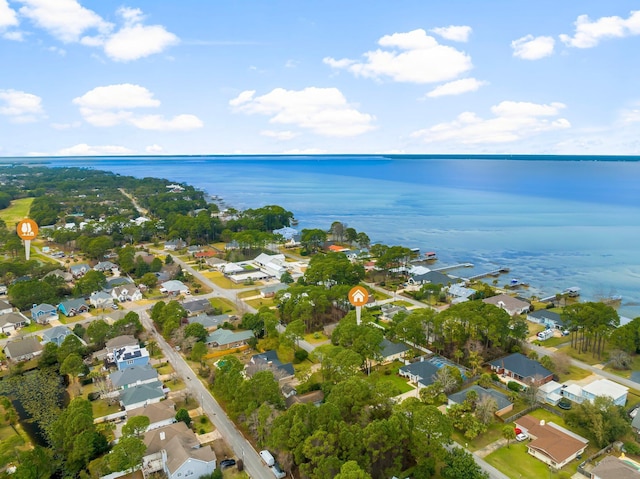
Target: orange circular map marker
358,296
27,229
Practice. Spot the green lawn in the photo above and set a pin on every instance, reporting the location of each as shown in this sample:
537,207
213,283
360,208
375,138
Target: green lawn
165,368
584,357
315,338
626,373
492,434
219,280
389,373
574,373
18,210
101,408
224,305
175,384
249,294
203,425
515,462
260,302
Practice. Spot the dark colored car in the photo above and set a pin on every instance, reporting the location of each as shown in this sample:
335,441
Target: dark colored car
225,463
564,404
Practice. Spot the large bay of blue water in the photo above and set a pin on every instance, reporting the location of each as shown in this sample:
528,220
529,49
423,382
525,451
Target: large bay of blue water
556,222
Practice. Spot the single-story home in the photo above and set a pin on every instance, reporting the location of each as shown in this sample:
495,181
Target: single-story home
313,397
421,373
43,313
160,414
286,232
141,395
73,307
133,376
226,339
270,291
11,322
176,451
510,304
521,368
196,306
5,307
460,293
105,266
389,310
503,404
612,467
209,322
550,319
79,270
65,275
23,349
598,388
390,351
100,299
432,277
552,444
56,335
268,361
174,288
173,245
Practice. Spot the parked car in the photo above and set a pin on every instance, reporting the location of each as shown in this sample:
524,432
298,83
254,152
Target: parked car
523,436
226,463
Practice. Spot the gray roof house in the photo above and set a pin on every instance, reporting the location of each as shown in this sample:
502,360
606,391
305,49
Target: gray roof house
225,339
5,307
73,307
521,368
66,276
502,400
100,299
133,376
197,306
209,322
174,287
391,351
546,317
11,322
79,270
56,335
120,342
612,467
421,372
433,277
510,304
104,266
137,396
43,313
126,292
269,361
23,349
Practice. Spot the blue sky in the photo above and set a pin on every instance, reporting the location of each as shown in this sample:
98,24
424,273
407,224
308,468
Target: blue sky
98,77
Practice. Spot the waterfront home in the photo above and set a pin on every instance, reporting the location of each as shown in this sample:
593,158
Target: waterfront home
5,307
141,395
432,277
460,293
100,299
176,451
550,319
503,404
23,349
43,313
160,414
510,304
421,373
133,376
73,307
225,339
128,356
57,335
551,444
520,368
209,322
598,388
11,322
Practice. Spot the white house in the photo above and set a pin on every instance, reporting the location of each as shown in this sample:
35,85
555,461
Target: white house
510,304
175,449
126,292
174,288
100,299
598,388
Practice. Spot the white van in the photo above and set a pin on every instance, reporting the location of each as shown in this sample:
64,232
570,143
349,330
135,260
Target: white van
267,458
546,334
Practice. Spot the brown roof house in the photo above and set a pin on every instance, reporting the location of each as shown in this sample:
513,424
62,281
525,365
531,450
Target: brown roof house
552,444
510,304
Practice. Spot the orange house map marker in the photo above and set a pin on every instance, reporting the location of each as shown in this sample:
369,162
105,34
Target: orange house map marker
27,230
358,297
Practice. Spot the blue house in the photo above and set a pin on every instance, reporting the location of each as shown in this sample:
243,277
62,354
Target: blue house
73,307
550,319
130,356
42,313
56,335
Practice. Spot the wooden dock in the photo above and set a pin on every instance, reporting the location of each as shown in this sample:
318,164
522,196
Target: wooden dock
454,266
495,272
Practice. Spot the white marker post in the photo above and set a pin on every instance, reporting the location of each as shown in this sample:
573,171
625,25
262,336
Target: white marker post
27,230
358,297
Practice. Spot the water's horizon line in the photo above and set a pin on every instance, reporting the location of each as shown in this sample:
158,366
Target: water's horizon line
331,156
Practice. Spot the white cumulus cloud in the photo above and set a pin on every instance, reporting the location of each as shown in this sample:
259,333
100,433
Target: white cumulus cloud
154,149
588,33
456,87
533,48
512,121
66,20
8,17
411,57
279,135
114,104
21,107
83,149
324,111
456,33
